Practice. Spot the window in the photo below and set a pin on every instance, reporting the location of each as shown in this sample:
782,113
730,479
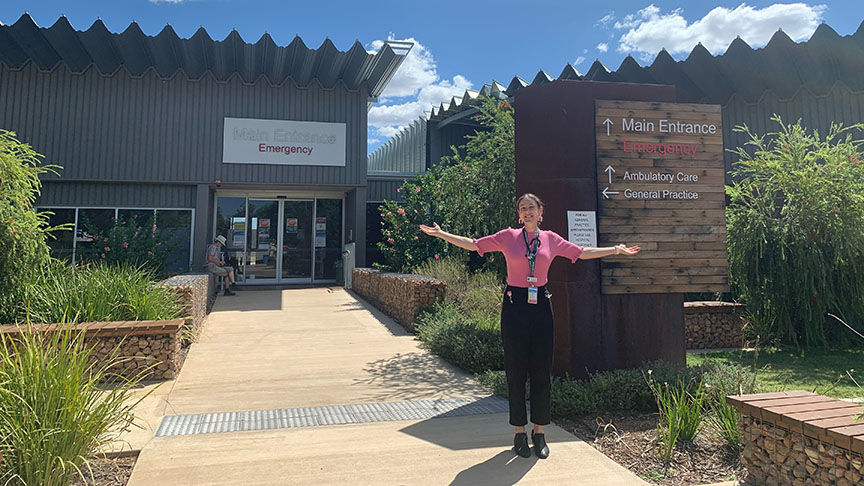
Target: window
62,243
90,234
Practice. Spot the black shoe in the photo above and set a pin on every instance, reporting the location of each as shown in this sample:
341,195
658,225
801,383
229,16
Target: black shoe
540,447
520,445
227,293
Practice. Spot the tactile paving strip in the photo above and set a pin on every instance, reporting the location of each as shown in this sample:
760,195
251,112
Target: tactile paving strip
284,418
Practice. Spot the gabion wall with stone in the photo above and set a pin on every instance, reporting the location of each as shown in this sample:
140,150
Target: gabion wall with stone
800,438
713,325
776,456
400,296
196,296
148,350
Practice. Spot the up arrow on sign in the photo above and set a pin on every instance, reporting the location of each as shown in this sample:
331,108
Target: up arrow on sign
609,170
608,124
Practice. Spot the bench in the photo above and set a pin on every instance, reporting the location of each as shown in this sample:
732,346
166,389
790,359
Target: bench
801,438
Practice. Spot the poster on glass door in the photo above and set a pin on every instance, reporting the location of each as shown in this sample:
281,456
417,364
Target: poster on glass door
263,234
320,232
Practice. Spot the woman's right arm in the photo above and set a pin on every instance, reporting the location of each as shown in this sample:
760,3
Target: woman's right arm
460,241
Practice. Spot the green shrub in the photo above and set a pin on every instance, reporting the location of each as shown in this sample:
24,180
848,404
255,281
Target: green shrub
97,292
450,334
22,230
680,413
478,295
796,232
495,380
53,411
571,398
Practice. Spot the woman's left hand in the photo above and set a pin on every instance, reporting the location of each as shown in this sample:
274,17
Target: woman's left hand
625,250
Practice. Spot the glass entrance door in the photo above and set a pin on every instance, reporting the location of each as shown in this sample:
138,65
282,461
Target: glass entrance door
281,240
297,240
262,241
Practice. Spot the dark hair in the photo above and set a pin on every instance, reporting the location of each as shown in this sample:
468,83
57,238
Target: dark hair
531,197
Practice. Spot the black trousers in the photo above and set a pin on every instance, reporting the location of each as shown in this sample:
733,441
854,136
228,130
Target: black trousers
527,332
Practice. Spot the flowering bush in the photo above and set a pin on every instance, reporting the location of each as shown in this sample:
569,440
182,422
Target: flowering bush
22,231
796,232
469,193
136,241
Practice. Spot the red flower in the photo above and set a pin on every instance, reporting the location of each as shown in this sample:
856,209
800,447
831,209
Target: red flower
154,227
149,253
833,210
416,237
11,220
103,256
390,240
398,189
786,147
436,256
125,245
418,190
14,232
107,248
382,223
401,212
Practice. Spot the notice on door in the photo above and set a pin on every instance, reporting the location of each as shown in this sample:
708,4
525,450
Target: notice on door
290,225
238,230
320,232
263,234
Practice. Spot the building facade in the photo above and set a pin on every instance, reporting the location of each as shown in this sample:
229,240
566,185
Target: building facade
263,144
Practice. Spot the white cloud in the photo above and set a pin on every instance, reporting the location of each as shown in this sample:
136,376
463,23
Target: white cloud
579,60
606,20
166,1
648,30
602,47
415,88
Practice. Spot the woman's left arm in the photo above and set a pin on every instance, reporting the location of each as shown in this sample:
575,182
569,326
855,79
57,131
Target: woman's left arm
590,253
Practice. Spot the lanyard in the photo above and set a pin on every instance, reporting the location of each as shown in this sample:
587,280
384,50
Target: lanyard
531,249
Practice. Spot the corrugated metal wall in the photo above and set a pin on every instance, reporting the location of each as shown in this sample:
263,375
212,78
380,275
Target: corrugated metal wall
122,128
404,153
384,189
117,195
840,105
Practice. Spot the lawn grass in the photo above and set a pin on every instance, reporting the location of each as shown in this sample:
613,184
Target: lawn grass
818,370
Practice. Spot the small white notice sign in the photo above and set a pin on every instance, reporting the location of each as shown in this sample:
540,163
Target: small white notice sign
582,228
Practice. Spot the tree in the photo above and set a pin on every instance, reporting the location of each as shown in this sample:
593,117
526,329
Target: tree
471,194
23,232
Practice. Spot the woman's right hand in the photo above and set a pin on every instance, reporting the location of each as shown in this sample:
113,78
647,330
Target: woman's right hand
433,230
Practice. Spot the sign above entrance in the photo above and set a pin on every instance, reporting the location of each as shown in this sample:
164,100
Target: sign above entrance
660,184
283,142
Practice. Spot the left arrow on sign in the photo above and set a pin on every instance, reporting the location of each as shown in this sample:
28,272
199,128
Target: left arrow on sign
606,192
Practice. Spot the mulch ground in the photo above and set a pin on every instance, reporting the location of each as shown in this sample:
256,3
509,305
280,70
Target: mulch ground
108,472
630,440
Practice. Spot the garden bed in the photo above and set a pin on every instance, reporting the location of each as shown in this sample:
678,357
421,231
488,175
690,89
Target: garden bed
630,440
109,472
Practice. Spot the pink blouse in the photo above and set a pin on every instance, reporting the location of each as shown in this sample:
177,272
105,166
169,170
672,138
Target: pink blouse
511,242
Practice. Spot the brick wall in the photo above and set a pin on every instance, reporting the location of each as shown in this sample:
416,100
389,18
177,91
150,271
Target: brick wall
713,325
400,296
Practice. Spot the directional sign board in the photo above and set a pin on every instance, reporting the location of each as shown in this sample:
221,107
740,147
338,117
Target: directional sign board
661,186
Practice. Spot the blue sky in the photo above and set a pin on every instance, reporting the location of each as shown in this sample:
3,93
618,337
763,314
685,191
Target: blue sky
461,45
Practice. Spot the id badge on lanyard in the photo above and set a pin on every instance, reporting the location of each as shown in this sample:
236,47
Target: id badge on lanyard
531,253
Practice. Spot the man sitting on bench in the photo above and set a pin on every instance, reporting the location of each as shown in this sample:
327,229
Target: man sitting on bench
217,266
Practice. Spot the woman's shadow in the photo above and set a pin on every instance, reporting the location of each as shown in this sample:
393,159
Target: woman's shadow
505,468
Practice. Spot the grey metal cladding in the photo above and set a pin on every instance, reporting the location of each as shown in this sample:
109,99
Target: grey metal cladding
384,189
146,128
167,54
83,194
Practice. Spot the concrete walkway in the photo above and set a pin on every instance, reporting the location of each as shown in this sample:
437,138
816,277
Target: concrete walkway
294,350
